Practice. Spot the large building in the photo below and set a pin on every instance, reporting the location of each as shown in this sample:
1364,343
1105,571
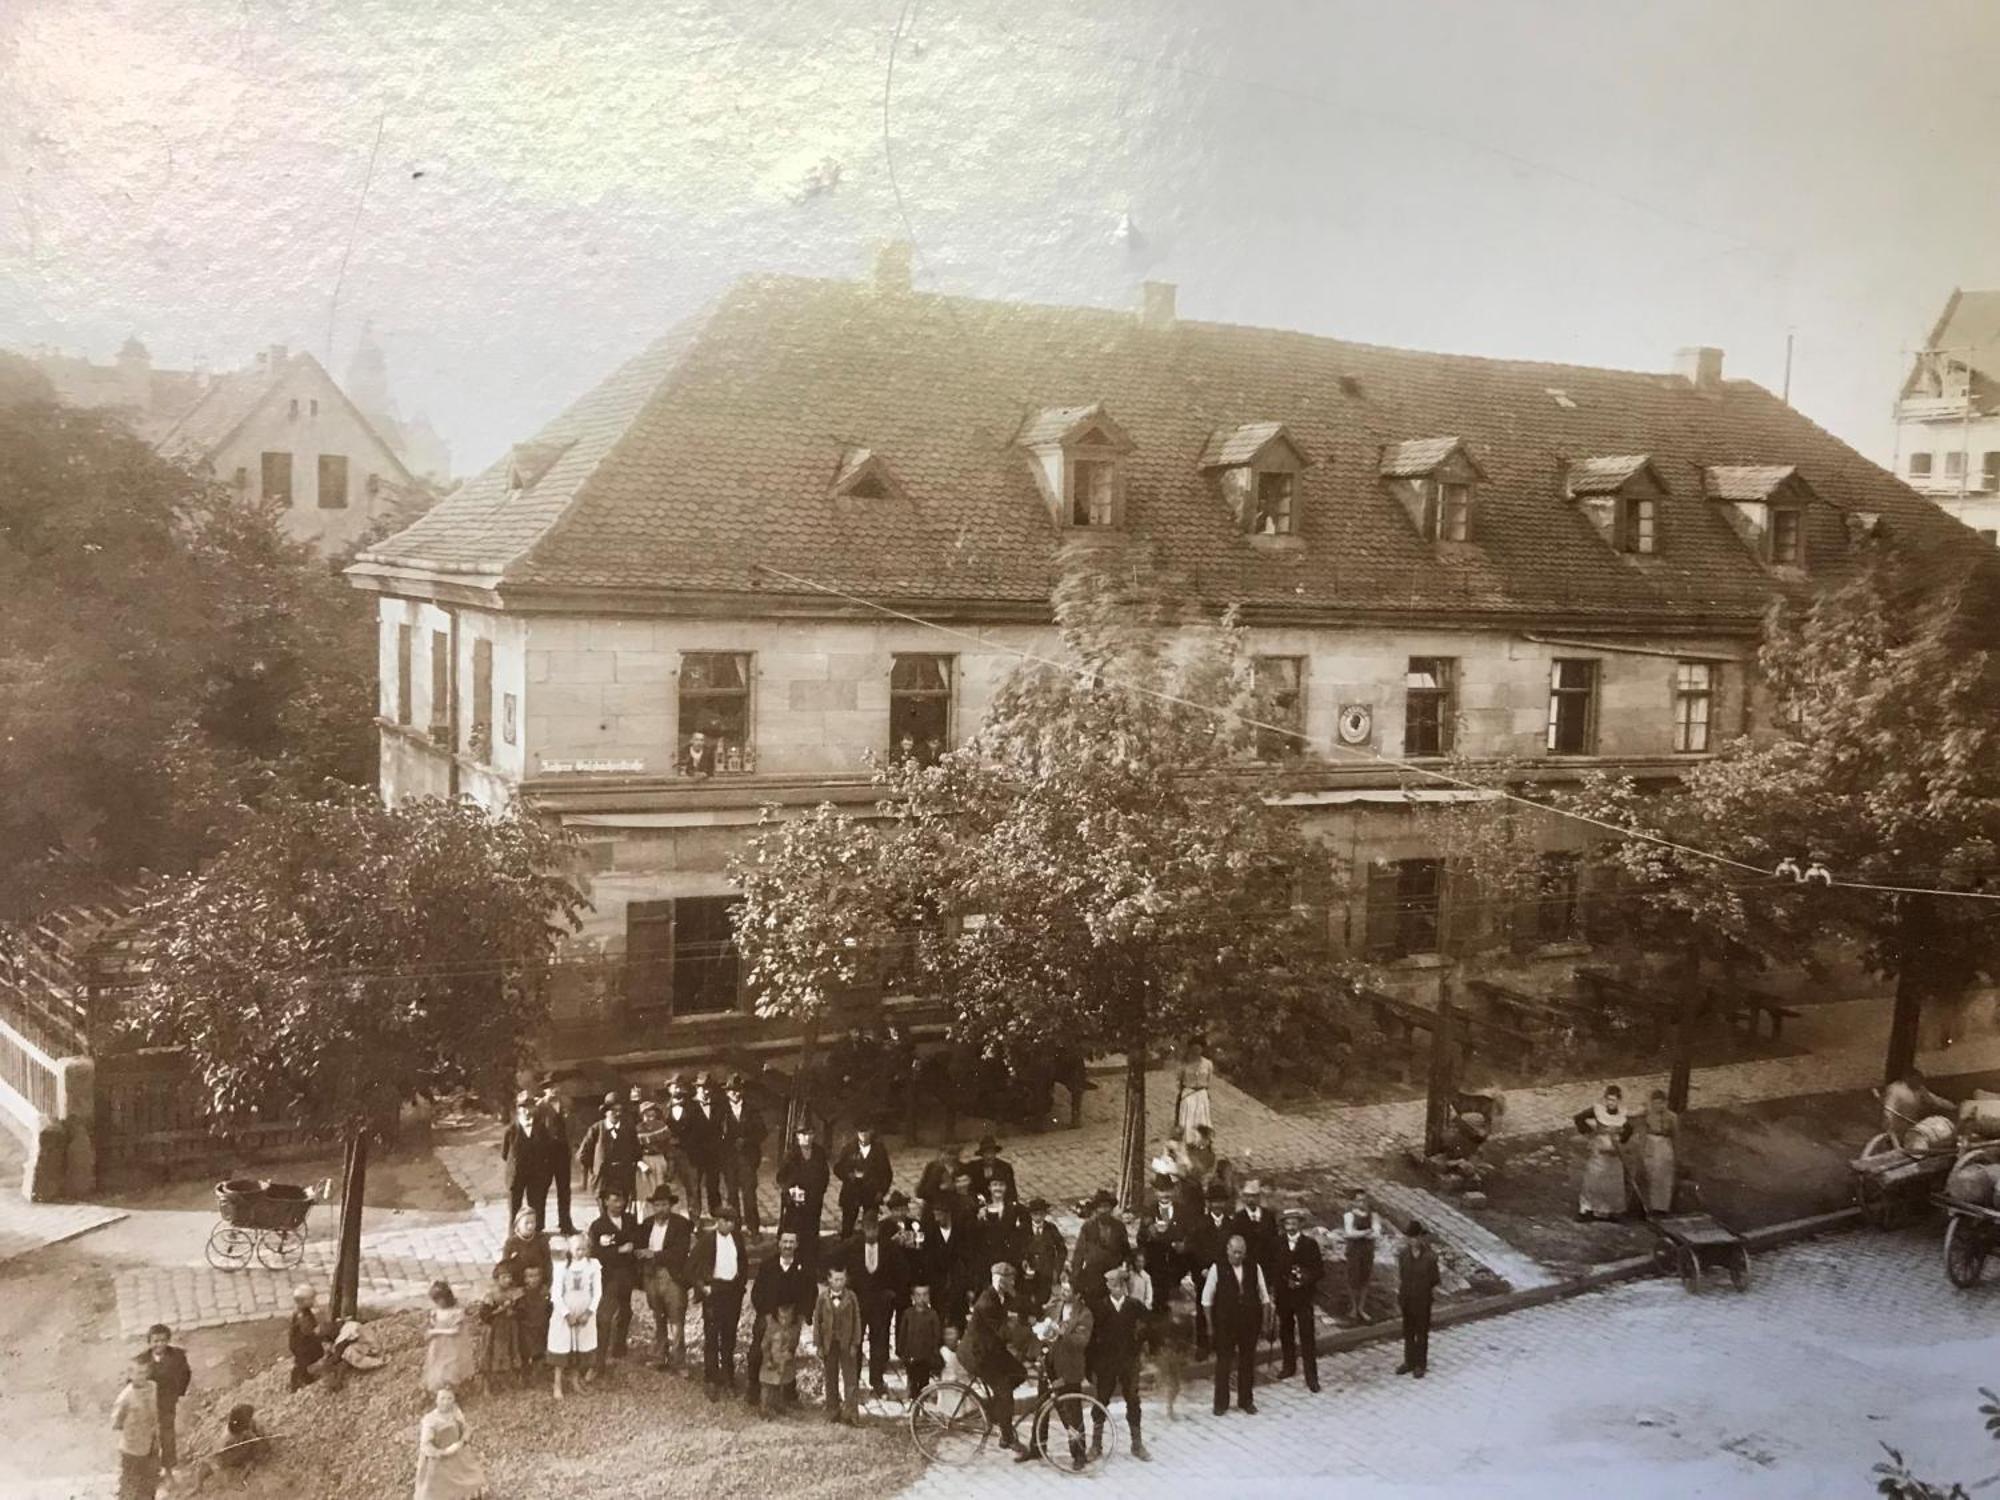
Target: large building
1948,413
1436,555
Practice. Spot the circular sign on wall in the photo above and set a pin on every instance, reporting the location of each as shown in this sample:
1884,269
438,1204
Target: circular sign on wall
1357,723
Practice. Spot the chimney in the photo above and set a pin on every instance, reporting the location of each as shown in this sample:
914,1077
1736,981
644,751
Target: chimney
1156,304
892,267
1700,367
279,354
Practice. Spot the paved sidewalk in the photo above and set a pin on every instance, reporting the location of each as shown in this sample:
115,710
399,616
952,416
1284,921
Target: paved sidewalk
26,1227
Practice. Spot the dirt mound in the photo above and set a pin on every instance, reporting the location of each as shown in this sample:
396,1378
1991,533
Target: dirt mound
360,1442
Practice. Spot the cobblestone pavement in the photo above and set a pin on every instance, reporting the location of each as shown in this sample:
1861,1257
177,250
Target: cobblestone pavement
1641,1391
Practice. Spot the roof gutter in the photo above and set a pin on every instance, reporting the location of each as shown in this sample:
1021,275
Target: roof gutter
1627,649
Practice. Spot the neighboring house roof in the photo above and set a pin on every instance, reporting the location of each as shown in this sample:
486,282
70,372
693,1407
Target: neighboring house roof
165,395
702,464
232,399
1605,475
1967,332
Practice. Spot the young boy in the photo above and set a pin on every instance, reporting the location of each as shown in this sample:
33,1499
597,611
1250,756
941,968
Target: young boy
781,1341
532,1325
171,1378
135,1417
307,1341
837,1333
920,1340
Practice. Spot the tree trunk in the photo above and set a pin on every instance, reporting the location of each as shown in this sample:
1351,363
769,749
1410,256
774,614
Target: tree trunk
1441,1094
798,1113
1680,1079
346,1292
1132,1145
1905,1024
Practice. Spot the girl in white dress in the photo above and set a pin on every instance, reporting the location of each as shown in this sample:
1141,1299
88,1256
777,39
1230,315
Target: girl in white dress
1196,1071
575,1291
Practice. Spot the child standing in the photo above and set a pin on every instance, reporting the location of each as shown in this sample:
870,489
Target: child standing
781,1341
531,1322
837,1333
135,1417
448,1356
920,1340
500,1359
1170,1358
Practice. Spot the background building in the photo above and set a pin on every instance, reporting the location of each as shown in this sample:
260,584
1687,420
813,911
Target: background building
1948,415
1435,555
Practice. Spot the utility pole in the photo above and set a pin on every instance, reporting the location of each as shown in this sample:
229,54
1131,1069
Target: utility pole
1789,335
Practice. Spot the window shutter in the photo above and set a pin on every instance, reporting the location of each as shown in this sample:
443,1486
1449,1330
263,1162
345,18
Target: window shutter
1382,910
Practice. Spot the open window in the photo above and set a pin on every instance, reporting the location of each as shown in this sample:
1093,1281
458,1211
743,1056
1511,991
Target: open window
1279,683
919,707
1621,497
1080,456
1259,467
1436,480
714,704
1767,506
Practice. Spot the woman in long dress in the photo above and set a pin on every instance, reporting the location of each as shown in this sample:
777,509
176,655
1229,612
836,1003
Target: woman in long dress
573,1297
447,1469
449,1356
1195,1072
1607,1127
1658,1142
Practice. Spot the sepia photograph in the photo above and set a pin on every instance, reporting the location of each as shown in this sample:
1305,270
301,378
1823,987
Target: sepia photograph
999,749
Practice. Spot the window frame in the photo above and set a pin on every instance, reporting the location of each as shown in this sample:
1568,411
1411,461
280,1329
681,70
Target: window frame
1274,745
479,733
1558,900
1954,463
1561,695
1442,700
1440,512
335,464
919,701
1989,472
689,703
1785,537
406,645
1082,512
1406,904
283,493
1285,516
1639,525
1921,464
1688,696
441,714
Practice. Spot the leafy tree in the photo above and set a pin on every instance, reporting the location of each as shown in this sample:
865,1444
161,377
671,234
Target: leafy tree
339,960
1875,756
1098,868
167,657
1895,1481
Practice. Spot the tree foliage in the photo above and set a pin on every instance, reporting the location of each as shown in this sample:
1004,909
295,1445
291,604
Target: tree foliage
167,657
340,959
1098,867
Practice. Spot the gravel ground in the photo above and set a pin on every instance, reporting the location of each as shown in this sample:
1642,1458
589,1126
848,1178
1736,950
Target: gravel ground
608,1444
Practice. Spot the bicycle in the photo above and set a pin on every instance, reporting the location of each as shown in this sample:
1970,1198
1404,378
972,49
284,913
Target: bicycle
949,1424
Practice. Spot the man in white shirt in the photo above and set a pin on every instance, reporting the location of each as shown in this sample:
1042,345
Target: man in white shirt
663,1257
715,1271
1233,1297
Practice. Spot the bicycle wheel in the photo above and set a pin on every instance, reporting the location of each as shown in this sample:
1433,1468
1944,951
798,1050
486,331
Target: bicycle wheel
1069,1419
230,1248
948,1423
280,1249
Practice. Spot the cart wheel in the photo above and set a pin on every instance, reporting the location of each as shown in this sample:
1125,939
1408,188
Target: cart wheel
280,1249
1062,1431
230,1248
1873,1201
1663,1258
948,1423
1964,1253
1739,1269
1690,1270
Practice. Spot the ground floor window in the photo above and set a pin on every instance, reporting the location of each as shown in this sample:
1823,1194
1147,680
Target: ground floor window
680,956
1558,909
1405,905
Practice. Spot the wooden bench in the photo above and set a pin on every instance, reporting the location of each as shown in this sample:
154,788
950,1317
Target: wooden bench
1747,1008
1612,996
1525,1011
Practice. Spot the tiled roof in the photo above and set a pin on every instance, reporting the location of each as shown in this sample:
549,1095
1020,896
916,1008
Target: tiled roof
1747,481
1239,445
1604,476
703,464
1968,332
223,407
1414,457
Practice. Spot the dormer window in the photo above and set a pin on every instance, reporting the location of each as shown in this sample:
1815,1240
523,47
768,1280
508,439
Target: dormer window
863,475
1765,504
1436,480
1258,465
1620,497
1079,456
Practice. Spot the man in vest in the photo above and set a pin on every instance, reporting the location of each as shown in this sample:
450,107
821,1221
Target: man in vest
1234,1300
1294,1284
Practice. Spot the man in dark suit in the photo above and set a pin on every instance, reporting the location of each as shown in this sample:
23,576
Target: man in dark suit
865,1177
718,1269
1101,1243
802,1180
615,1237
1208,1238
990,1167
989,1356
740,1139
936,1178
553,1117
880,1278
686,1142
530,1151
1046,1253
709,1161
1000,1232
1163,1243
1416,1285
610,1151
666,1241
782,1281
1234,1299
1117,1340
948,1263
1258,1225
1298,1267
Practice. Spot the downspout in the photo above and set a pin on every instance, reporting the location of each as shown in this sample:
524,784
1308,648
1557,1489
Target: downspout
451,678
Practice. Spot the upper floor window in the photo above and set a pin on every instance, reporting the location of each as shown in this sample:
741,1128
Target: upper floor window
1259,464
1638,524
1273,515
919,707
1428,707
332,481
1280,709
1954,464
1694,699
276,477
1920,466
1434,479
1989,472
714,707
1093,492
1448,513
1079,456
1787,536
1572,707
405,639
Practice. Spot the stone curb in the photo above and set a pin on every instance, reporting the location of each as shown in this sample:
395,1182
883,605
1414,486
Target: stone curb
66,1236
1632,1268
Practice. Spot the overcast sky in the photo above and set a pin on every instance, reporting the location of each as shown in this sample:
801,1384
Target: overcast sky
558,180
